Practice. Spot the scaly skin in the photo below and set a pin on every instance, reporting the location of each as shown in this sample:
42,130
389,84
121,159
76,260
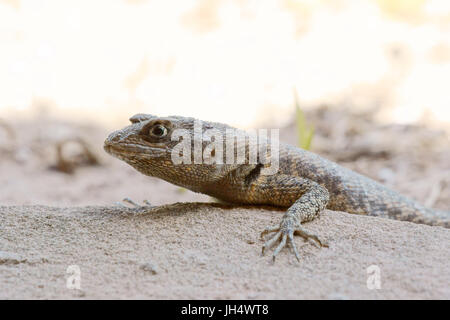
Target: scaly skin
305,183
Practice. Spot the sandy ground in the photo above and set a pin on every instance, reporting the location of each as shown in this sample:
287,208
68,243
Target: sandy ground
204,251
50,220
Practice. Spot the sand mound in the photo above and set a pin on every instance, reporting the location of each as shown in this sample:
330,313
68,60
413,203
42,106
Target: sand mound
212,251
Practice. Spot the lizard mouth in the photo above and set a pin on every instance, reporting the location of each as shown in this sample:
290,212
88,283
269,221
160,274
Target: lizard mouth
116,149
126,151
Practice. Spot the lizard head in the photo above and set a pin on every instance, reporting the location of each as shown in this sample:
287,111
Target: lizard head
147,138
149,142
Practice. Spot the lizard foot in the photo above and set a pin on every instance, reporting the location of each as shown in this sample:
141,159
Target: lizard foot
147,204
285,233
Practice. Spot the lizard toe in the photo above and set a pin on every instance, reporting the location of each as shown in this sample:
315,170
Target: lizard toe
280,246
292,243
305,234
135,205
269,229
269,243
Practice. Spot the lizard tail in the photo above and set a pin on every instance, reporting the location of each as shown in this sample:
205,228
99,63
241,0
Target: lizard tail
430,217
444,218
403,208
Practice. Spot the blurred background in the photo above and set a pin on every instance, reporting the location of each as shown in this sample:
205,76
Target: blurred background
371,77
235,61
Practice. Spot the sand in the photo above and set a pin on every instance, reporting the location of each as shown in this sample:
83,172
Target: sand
212,251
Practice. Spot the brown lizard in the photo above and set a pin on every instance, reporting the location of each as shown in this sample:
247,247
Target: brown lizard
305,183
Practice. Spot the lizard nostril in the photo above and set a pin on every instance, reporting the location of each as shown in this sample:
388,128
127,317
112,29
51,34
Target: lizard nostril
114,137
111,139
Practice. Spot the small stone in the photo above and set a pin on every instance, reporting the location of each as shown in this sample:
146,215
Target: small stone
149,267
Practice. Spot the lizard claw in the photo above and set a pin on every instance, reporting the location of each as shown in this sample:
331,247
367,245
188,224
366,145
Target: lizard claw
305,234
271,242
285,234
135,205
269,230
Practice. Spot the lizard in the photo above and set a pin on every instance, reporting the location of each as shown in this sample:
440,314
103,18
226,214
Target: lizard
304,183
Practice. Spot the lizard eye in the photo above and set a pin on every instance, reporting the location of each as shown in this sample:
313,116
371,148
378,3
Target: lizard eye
158,131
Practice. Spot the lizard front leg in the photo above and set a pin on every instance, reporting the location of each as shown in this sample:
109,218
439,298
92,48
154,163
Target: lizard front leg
311,199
